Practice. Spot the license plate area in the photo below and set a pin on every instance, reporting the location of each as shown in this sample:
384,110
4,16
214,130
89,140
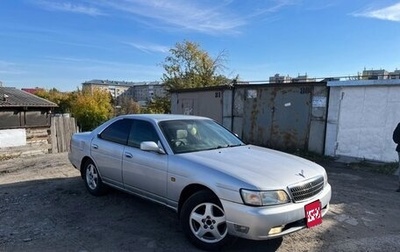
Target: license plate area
313,214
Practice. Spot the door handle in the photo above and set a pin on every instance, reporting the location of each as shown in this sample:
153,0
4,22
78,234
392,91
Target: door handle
128,155
95,146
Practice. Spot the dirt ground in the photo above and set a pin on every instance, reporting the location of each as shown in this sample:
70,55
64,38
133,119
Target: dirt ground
44,206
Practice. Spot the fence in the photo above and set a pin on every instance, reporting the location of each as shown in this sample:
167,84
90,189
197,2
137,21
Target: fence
62,128
43,140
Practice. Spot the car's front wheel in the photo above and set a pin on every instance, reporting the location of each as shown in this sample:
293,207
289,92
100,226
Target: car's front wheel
92,179
203,221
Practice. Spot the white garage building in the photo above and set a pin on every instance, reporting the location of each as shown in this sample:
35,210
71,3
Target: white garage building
361,118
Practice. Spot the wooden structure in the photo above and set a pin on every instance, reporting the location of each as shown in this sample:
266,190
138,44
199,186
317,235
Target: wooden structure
44,131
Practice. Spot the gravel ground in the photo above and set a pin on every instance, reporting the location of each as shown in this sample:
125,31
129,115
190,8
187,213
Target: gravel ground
44,206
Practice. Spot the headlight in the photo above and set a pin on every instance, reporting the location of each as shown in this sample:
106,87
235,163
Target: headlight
264,198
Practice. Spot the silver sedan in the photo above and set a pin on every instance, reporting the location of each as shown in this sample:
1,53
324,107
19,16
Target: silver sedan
220,187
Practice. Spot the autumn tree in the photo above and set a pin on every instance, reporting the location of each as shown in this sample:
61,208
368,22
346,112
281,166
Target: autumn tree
188,66
91,107
126,105
62,99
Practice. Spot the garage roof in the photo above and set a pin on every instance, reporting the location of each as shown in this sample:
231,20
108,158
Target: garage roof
12,97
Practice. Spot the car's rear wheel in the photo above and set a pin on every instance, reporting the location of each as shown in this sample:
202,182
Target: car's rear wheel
203,221
92,179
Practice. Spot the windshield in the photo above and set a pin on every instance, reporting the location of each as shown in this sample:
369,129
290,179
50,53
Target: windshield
197,135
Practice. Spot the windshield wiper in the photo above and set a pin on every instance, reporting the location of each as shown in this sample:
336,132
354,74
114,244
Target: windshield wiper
219,147
227,146
224,146
234,145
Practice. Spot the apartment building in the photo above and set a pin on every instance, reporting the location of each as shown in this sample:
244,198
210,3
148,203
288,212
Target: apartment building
141,92
287,79
280,79
380,74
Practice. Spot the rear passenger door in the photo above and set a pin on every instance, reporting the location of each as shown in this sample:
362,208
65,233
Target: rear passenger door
107,149
144,172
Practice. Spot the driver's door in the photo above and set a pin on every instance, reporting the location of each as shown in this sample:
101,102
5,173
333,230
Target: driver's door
144,172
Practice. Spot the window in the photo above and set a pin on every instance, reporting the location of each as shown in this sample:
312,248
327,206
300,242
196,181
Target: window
142,131
117,132
197,135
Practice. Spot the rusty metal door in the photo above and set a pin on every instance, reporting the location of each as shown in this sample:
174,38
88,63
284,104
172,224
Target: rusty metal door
278,116
257,116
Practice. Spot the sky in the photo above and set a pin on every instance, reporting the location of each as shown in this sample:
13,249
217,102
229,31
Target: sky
63,43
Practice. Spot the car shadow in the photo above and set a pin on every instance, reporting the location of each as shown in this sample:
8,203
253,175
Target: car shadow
59,214
265,246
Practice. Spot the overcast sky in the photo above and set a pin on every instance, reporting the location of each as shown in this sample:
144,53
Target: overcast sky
62,43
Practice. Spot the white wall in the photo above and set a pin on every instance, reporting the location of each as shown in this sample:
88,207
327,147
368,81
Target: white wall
361,118
12,137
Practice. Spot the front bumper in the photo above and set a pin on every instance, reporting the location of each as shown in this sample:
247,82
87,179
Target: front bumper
255,223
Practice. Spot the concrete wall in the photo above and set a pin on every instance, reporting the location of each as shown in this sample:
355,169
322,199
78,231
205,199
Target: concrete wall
12,137
36,142
361,118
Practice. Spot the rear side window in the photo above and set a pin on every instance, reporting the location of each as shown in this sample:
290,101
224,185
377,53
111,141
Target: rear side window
117,132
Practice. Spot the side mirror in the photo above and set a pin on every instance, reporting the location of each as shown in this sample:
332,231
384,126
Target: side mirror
151,146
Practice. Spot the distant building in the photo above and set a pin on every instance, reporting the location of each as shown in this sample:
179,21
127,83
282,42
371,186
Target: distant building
32,90
303,78
280,79
375,74
394,75
380,74
141,92
145,92
116,88
330,79
287,79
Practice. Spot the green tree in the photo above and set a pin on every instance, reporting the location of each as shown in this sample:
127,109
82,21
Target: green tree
159,105
91,108
188,66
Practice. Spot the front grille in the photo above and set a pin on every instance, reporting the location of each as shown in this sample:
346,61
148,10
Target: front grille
307,189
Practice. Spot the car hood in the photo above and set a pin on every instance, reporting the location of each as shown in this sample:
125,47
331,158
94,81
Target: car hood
262,168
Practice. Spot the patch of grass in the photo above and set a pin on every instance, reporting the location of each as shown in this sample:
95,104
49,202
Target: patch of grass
312,156
362,165
4,158
382,168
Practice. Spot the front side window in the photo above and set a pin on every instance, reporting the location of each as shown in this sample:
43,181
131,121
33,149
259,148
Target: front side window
142,131
117,132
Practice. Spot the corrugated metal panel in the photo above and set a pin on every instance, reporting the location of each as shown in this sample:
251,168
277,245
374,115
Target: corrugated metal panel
257,114
281,116
202,103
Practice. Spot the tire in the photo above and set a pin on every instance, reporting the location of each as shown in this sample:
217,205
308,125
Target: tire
203,221
92,179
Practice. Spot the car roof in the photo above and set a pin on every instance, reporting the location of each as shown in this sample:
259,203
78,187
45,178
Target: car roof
163,117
